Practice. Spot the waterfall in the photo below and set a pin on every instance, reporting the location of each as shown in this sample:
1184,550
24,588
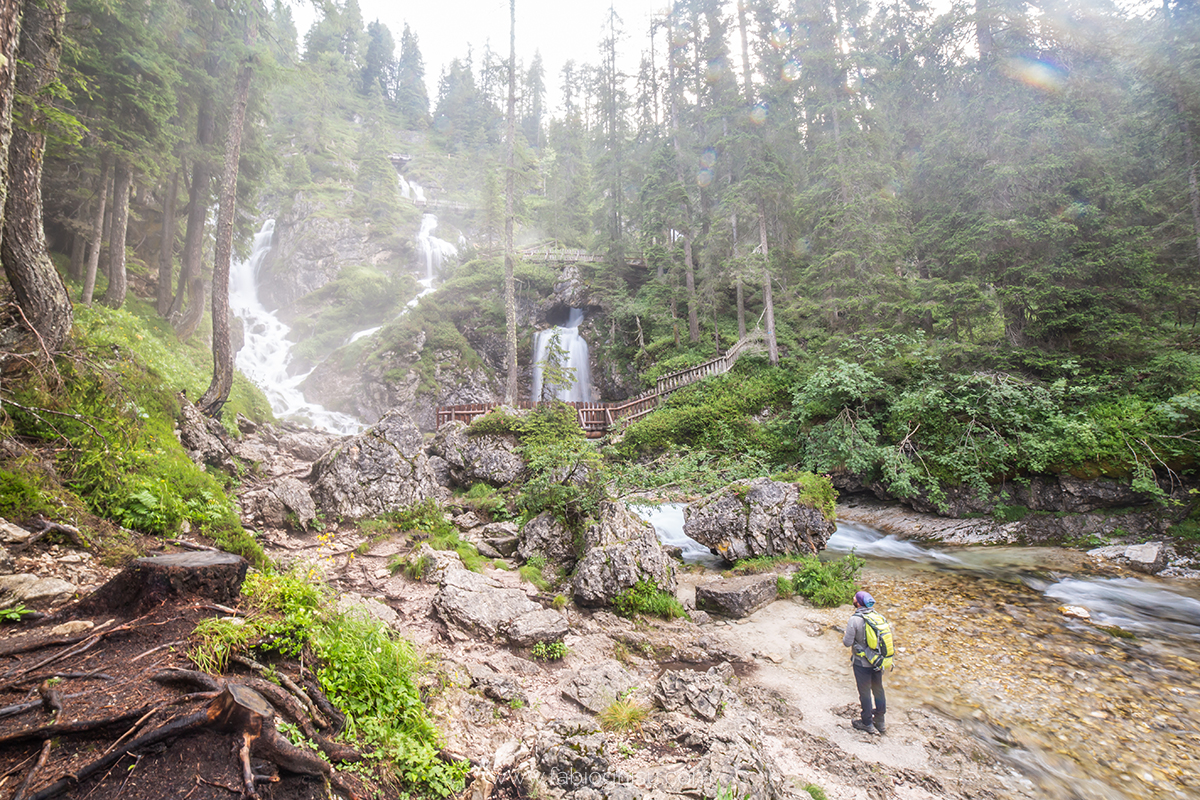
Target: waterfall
265,356
434,251
575,358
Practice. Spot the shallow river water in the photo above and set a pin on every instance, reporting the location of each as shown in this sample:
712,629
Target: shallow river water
1107,709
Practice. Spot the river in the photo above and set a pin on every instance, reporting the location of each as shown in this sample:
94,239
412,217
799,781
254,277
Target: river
1101,710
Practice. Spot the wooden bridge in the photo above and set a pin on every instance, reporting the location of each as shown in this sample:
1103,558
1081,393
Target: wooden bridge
597,419
566,255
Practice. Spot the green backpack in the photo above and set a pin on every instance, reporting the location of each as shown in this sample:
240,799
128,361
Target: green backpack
879,641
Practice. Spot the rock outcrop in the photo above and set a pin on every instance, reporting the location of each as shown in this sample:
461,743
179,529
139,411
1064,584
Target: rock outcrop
490,458
480,605
385,468
761,518
620,550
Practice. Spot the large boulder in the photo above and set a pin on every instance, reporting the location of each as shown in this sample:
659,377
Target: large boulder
1150,557
479,604
621,549
761,518
283,503
491,458
382,469
737,597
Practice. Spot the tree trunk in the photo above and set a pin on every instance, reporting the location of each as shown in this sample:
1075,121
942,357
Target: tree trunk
222,347
983,29
747,84
1193,187
737,279
510,292
118,283
36,284
768,301
193,238
93,261
78,253
689,276
166,248
10,35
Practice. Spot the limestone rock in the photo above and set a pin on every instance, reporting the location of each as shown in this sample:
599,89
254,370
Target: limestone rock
622,549
437,562
761,518
1150,557
11,534
704,694
596,686
544,625
283,503
34,592
382,469
491,458
572,756
499,687
544,536
737,597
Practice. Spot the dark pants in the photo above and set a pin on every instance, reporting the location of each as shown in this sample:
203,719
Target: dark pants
870,682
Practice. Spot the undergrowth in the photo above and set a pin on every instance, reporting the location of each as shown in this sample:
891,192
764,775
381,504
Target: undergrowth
645,597
825,584
363,667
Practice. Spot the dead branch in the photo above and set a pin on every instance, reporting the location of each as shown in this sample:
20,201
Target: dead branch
84,645
73,676
21,708
174,727
322,702
154,650
47,526
51,698
286,703
41,762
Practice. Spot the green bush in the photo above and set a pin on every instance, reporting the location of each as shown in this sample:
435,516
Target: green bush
645,597
827,584
549,651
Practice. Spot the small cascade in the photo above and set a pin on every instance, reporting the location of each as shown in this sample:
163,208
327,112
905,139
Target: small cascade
265,356
574,351
434,251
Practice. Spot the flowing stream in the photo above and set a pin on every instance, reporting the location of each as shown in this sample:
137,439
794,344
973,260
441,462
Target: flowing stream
1101,710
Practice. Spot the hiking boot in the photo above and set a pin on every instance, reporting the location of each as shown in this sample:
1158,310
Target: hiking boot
865,727
879,726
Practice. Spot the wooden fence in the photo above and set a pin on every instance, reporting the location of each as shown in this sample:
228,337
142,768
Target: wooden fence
597,419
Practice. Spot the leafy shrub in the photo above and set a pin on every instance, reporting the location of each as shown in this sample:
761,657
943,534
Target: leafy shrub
549,651
645,597
827,584
815,490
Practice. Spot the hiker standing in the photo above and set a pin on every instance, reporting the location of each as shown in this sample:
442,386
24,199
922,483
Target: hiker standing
869,636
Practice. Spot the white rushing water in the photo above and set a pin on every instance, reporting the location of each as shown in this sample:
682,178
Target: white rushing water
267,352
575,359
667,520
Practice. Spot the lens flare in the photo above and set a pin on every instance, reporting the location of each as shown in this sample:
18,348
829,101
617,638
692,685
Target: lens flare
758,115
708,157
1038,74
790,71
704,177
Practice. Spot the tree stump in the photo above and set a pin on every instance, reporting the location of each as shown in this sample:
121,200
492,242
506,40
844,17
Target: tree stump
146,582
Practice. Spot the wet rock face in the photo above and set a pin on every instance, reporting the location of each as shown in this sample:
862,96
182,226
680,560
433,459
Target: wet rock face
490,458
620,550
761,518
382,469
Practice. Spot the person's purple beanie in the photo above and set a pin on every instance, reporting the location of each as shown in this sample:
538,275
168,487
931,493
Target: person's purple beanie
863,599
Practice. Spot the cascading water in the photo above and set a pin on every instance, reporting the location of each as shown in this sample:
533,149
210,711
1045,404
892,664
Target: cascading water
573,350
265,356
432,251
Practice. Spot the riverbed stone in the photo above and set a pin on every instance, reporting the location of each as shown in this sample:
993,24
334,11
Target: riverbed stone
759,518
737,597
1150,557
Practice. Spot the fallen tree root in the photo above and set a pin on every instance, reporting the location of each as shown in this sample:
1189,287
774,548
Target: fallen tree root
288,684
41,762
72,728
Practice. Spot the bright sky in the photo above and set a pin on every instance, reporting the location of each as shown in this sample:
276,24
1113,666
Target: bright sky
560,29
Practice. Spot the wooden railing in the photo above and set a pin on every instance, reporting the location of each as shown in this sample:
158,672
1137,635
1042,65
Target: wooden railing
568,255
596,419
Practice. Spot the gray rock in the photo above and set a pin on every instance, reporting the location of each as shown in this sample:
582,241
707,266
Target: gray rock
759,518
382,469
499,687
572,757
737,597
437,562
546,537
543,625
622,549
367,608
6,561
480,605
440,468
11,534
33,591
491,458
596,686
281,503
1150,557
704,694
506,546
